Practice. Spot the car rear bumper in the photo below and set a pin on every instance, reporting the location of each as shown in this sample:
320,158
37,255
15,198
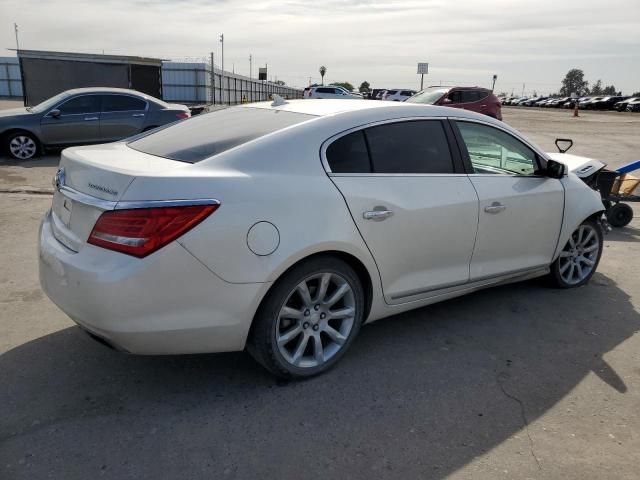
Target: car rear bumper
166,303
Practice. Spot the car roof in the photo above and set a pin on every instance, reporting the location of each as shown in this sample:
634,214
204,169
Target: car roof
326,107
128,91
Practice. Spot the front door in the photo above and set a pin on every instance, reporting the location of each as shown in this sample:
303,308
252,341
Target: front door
78,122
520,212
122,116
415,211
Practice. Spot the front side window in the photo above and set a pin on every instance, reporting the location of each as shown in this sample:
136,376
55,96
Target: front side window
409,147
81,104
122,103
428,96
494,151
326,90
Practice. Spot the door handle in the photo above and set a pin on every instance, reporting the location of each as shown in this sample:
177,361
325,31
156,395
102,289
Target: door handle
88,119
377,214
495,207
138,115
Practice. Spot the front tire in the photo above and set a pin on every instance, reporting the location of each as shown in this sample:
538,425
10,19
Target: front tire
309,319
22,145
579,258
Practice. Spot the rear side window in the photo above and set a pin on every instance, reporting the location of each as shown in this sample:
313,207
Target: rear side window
407,93
349,154
209,134
410,147
122,103
391,92
326,90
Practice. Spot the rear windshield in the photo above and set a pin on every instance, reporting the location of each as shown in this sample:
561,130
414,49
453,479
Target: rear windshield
209,134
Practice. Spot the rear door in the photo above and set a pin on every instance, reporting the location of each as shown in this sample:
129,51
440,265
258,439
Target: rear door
520,212
78,122
412,205
122,116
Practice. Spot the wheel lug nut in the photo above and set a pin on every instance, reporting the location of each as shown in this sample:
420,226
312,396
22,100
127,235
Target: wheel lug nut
316,308
305,325
315,328
323,316
307,313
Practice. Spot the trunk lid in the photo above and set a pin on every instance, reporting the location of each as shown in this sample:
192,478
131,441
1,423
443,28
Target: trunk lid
93,179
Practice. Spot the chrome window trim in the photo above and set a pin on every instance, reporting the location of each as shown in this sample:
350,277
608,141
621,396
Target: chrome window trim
333,138
101,204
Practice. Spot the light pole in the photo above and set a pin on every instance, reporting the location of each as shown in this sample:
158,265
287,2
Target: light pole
250,60
495,77
222,70
15,26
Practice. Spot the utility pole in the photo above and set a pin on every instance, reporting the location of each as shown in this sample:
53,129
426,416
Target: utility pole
523,89
495,77
250,66
213,82
15,26
222,70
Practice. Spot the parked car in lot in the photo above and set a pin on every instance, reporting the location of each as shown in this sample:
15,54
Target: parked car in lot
571,103
532,101
330,91
83,116
397,95
586,104
605,103
557,102
475,99
621,106
634,106
284,227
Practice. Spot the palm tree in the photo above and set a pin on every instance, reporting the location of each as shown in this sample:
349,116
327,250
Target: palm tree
323,70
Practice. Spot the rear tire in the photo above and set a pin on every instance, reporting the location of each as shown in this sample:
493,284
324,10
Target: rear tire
21,145
619,215
579,258
309,319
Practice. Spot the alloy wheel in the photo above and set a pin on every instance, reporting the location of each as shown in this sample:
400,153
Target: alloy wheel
579,257
315,320
22,147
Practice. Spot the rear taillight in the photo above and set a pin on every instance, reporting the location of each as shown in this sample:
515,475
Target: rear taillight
183,115
142,231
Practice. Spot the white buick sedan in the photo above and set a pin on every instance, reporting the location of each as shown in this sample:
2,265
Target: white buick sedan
283,227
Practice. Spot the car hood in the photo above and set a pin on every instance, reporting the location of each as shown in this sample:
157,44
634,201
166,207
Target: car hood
15,112
581,166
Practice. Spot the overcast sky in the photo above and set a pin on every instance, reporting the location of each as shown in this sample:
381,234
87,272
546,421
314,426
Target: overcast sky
464,41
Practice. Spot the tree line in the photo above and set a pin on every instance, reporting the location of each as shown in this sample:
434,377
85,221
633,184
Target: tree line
574,82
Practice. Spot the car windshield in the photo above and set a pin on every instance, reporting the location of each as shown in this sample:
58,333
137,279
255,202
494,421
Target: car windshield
49,103
428,96
209,134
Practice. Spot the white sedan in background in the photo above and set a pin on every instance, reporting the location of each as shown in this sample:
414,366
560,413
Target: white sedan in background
282,228
398,95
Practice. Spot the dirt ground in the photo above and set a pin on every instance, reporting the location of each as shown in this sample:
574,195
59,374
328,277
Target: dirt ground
515,382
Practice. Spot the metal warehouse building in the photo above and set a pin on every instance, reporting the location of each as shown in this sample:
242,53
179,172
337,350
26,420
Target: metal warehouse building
45,74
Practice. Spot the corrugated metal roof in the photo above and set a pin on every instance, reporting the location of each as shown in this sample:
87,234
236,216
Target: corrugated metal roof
89,57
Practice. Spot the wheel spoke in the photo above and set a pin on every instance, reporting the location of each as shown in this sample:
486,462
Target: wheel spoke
303,290
572,242
324,285
564,254
338,294
571,270
289,335
342,313
288,312
579,268
563,268
589,236
318,350
580,234
302,345
335,335
587,261
591,248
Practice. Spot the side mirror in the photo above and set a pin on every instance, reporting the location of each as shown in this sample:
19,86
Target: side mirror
54,113
556,169
447,101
